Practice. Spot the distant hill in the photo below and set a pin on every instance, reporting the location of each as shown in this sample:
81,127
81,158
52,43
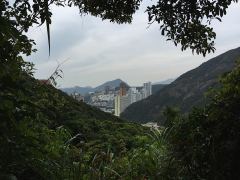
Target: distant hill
167,81
85,90
185,92
157,87
77,89
113,84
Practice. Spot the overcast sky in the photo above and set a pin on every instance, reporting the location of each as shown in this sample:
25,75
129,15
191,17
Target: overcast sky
99,51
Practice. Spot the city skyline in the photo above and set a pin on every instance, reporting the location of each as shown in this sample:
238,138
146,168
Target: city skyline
98,51
112,99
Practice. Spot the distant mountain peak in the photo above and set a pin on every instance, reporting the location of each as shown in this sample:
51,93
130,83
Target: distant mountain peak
113,83
167,81
85,90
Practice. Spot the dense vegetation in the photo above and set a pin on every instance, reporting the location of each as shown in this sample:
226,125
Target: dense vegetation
185,92
44,134
47,124
204,144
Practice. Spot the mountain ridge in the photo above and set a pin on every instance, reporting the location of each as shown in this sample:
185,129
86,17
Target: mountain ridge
167,81
185,92
85,90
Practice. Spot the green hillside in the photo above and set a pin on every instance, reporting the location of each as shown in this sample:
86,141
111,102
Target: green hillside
185,92
37,143
93,124
40,124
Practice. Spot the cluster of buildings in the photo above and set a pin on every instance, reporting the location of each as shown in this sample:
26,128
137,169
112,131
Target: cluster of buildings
127,96
77,96
103,100
116,100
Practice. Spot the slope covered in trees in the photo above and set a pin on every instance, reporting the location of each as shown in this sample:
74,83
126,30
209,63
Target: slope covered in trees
50,124
188,147
205,144
185,92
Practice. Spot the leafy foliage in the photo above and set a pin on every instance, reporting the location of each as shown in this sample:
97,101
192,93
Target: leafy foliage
187,22
33,140
46,124
205,144
201,145
45,134
184,22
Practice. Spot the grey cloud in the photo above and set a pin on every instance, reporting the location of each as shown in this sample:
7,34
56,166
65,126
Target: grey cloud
101,51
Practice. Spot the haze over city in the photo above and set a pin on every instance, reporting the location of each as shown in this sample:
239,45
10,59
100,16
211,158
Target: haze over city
98,51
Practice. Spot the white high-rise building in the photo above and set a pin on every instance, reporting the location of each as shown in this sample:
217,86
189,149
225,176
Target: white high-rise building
147,89
133,94
117,105
124,99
